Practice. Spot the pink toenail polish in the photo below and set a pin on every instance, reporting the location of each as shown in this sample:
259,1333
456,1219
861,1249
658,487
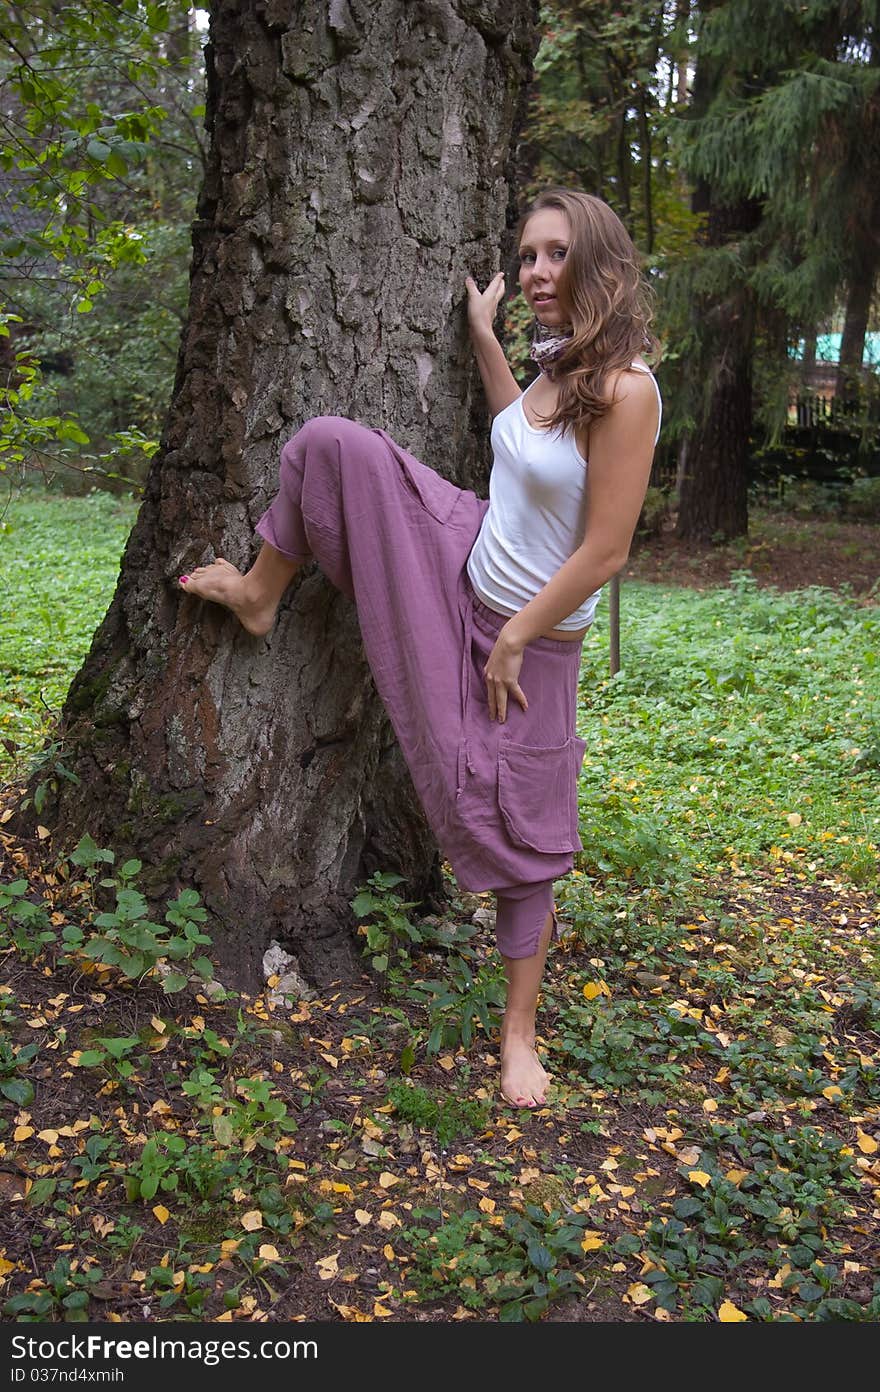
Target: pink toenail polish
183,579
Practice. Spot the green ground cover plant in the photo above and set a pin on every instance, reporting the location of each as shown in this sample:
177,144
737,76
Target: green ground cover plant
710,1149
60,561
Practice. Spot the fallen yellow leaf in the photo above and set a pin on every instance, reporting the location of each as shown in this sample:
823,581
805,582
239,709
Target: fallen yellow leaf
351,1313
639,1293
699,1177
591,1242
596,988
729,1314
386,1179
161,1212
252,1220
50,1137
709,1104
867,1145
328,1267
268,1253
363,1217
735,1176
832,1092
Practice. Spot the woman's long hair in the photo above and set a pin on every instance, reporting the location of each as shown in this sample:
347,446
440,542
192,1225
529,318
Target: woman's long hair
609,304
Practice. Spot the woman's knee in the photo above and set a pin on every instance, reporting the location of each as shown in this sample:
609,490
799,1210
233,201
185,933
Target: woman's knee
323,432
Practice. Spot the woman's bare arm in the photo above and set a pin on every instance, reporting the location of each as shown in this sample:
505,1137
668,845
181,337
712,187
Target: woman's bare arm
499,383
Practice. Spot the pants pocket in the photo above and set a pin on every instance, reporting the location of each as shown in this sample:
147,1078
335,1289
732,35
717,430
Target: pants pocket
436,494
537,793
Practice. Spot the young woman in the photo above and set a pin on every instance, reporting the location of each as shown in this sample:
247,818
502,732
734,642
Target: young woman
473,611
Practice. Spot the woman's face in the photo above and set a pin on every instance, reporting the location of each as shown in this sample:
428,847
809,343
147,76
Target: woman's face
542,250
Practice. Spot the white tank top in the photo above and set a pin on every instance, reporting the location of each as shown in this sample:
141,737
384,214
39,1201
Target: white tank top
537,513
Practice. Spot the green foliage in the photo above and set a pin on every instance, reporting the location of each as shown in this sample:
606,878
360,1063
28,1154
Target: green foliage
388,936
55,595
449,1118
863,499
129,940
535,1258
97,133
66,1295
739,720
13,1086
254,1114
24,924
158,1167
468,994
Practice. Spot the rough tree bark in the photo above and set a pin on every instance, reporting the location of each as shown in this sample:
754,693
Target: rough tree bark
357,172
712,485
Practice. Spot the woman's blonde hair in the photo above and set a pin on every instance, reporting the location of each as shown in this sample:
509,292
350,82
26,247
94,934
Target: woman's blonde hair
609,303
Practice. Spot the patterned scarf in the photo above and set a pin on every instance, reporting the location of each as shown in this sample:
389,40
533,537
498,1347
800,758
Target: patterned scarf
548,345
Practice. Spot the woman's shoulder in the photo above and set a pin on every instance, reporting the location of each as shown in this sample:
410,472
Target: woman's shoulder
631,382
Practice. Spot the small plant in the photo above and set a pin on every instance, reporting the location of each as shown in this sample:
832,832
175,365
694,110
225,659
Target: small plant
448,1118
467,1000
253,1114
535,1258
95,1162
129,940
66,1295
24,925
191,1288
48,764
386,937
113,1056
16,1089
156,1168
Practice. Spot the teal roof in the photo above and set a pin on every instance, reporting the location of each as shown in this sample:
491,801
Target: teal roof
828,349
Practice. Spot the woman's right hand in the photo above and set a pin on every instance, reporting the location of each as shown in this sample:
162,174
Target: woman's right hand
483,305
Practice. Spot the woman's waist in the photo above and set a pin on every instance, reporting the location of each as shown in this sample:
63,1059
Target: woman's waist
496,618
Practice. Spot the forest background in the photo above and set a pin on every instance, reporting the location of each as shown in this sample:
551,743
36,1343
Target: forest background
711,1150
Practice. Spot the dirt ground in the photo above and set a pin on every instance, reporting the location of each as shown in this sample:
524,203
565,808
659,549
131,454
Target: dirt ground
784,551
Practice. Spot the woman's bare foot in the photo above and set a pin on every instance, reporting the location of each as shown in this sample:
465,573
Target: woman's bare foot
524,1081
221,582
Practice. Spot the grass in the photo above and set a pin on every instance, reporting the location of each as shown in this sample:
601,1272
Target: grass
60,560
744,722
711,1148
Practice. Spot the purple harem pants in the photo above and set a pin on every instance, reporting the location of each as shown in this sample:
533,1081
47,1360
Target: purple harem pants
393,535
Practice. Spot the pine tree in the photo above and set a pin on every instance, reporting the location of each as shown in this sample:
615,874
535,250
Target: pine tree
776,146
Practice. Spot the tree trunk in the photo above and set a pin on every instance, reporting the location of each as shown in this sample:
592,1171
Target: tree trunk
860,293
357,173
713,473
713,486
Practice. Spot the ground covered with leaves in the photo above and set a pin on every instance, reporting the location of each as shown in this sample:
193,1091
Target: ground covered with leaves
710,1149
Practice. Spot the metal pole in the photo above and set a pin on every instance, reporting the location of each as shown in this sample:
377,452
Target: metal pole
614,623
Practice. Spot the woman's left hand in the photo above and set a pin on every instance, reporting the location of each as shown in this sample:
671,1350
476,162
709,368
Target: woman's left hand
502,678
